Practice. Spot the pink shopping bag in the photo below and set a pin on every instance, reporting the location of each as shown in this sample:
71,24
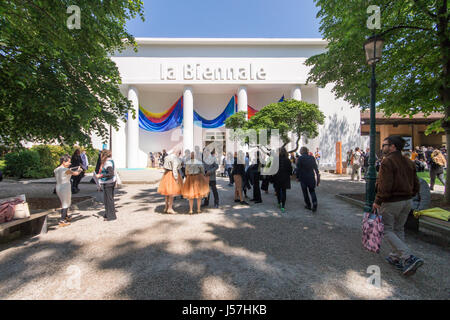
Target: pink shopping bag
372,231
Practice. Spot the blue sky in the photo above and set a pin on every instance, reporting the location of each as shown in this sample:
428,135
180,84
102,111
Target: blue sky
227,19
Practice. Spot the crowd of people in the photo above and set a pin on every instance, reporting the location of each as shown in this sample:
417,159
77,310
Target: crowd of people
428,159
193,176
69,174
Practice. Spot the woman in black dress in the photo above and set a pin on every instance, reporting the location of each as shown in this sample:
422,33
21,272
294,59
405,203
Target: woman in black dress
256,174
282,179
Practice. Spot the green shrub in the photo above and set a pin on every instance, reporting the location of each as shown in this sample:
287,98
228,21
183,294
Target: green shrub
41,160
22,164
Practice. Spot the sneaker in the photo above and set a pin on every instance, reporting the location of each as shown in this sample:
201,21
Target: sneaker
243,202
395,262
411,265
282,210
308,207
259,201
279,205
314,209
237,200
216,206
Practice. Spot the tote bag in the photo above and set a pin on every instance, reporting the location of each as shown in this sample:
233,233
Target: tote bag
372,231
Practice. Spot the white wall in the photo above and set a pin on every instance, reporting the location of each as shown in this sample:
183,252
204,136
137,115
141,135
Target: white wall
342,123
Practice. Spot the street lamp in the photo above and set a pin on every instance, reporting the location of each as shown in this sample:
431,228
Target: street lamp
373,47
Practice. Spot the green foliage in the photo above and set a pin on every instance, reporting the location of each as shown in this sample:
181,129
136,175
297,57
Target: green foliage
22,164
25,164
412,75
288,116
59,84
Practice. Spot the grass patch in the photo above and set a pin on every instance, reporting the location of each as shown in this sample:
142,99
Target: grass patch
426,176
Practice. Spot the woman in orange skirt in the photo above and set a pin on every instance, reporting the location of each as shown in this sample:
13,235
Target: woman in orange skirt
171,182
196,185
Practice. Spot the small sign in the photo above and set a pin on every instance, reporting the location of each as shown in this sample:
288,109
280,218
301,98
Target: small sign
408,144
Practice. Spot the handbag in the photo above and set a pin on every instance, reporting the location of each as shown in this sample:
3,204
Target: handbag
372,231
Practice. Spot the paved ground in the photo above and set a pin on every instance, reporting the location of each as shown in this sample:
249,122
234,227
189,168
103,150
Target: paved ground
234,252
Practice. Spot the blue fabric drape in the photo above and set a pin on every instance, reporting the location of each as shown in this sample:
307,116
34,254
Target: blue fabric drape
174,120
220,119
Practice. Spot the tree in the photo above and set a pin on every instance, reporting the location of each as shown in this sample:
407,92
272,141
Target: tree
413,74
58,83
289,117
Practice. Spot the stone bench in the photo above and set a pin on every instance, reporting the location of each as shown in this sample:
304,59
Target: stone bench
36,223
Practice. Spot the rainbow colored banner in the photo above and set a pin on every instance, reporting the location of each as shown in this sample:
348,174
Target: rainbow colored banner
164,121
173,117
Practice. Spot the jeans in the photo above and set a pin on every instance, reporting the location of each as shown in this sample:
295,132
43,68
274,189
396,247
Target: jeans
394,216
433,176
312,192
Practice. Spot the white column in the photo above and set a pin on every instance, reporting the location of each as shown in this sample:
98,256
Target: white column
188,119
296,93
242,99
133,129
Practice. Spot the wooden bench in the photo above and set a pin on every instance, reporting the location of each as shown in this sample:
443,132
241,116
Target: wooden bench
437,225
36,223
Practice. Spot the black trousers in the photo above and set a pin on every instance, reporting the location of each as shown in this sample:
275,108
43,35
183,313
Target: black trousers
76,180
213,188
312,192
108,198
230,175
256,188
265,183
281,196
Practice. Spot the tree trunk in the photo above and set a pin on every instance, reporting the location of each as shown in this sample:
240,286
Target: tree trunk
444,40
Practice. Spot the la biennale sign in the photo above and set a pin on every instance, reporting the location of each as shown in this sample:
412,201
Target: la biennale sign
198,71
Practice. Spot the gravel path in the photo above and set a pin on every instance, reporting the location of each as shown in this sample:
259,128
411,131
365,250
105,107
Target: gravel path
234,252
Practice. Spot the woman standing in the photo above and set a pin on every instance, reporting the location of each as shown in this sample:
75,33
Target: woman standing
438,163
282,179
171,182
238,177
196,185
107,180
63,189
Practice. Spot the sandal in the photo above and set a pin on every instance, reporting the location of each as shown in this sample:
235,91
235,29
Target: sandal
63,223
170,211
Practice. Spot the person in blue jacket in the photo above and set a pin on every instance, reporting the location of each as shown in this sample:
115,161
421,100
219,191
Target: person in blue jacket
306,167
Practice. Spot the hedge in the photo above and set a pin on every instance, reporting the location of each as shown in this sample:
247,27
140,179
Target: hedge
41,160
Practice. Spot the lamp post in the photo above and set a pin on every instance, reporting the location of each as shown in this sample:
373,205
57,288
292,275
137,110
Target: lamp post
373,47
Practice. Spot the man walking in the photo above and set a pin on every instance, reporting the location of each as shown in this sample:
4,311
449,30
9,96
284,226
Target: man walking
396,184
210,163
306,167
